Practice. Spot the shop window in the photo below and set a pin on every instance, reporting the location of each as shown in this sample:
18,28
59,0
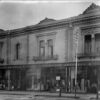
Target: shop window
50,47
42,48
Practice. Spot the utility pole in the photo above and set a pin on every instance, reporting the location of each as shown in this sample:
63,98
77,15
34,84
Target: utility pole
8,58
76,33
8,79
97,97
76,61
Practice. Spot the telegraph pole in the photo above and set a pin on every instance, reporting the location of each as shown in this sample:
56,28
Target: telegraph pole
76,61
76,33
8,58
97,97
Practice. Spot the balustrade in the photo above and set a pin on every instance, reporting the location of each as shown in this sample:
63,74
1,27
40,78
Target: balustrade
45,58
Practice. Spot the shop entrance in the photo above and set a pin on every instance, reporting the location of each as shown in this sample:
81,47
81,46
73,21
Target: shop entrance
86,79
81,79
3,80
49,78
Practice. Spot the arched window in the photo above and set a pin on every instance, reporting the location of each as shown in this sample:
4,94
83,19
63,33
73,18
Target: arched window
17,51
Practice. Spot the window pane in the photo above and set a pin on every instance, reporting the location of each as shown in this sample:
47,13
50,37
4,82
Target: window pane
97,43
50,42
42,52
42,48
1,45
50,47
88,44
42,43
1,48
17,50
50,52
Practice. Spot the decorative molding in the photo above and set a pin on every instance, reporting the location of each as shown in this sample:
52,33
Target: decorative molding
47,58
95,29
88,55
46,34
91,9
58,23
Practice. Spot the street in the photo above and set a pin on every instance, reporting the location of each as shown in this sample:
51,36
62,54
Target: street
16,97
13,95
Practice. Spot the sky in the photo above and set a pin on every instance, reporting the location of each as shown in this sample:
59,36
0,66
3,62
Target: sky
17,14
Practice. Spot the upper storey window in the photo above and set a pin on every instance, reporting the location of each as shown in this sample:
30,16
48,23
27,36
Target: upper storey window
50,47
42,48
45,50
87,47
97,43
17,51
1,48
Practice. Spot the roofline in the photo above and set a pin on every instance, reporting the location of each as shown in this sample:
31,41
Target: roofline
74,19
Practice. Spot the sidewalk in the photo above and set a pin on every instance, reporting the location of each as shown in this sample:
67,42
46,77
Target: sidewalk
48,94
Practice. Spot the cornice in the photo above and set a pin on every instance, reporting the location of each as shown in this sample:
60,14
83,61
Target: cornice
58,23
46,34
85,27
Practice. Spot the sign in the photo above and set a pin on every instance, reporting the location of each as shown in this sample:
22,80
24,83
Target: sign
57,78
57,90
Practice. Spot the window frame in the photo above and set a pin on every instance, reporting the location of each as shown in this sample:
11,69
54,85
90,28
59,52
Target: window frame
41,47
50,47
1,48
17,54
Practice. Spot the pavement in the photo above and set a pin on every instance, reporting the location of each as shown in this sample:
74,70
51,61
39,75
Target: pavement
33,95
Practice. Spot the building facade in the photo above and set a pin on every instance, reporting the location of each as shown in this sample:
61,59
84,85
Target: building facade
36,57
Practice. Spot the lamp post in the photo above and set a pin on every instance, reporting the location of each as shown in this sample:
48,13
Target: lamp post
76,33
76,61
8,58
97,96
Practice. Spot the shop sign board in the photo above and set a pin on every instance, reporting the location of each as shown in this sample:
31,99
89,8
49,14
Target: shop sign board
57,78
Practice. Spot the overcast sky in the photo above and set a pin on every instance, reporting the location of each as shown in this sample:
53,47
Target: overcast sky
21,14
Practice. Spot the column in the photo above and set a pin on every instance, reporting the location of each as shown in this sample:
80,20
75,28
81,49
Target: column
66,79
8,76
19,81
32,82
93,43
27,48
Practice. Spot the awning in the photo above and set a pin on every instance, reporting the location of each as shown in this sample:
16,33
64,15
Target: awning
69,64
13,66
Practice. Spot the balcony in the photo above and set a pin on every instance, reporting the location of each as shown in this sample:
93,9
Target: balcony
1,60
46,58
88,55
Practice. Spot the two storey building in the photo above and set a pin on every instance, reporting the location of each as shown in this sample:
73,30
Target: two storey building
36,57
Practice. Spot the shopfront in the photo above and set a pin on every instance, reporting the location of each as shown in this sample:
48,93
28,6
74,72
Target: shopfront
44,77
13,78
49,78
86,77
81,79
